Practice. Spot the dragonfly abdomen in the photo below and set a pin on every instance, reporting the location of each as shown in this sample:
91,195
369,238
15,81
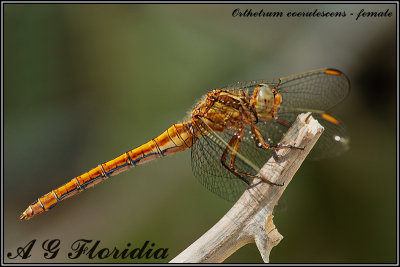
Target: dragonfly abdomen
175,139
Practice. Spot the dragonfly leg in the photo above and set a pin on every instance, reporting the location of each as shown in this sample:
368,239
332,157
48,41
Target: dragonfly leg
284,123
260,142
276,147
234,144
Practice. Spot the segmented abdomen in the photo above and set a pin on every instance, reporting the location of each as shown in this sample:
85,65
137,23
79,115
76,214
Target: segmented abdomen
177,138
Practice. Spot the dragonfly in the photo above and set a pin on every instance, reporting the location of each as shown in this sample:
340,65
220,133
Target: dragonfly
232,131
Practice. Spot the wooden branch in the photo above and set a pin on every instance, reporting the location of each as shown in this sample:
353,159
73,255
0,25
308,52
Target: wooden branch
250,219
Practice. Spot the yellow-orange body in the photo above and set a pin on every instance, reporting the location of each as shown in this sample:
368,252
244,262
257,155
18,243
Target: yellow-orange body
220,110
177,138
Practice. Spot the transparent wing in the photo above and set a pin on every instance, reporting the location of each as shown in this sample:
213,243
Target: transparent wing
333,141
208,149
208,169
317,90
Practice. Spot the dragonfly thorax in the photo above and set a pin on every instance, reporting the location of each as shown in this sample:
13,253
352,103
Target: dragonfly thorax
266,101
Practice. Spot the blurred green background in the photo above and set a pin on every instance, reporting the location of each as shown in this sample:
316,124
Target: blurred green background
85,83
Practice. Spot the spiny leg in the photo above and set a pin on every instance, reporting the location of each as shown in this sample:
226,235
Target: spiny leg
283,122
260,142
234,144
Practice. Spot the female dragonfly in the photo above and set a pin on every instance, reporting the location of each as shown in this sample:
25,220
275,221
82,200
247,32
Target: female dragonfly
232,131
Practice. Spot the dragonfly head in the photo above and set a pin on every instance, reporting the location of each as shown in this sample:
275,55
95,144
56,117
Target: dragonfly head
266,100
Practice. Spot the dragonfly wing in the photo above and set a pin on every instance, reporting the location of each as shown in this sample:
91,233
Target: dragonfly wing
316,90
247,86
208,169
208,149
333,142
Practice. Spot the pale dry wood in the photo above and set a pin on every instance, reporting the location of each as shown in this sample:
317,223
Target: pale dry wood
250,219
